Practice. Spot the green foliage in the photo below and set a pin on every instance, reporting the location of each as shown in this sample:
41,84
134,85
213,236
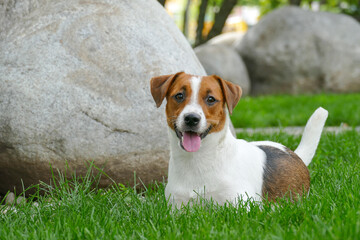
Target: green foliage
248,2
239,2
349,7
267,6
286,110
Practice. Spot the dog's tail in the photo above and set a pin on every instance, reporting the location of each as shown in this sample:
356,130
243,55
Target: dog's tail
311,136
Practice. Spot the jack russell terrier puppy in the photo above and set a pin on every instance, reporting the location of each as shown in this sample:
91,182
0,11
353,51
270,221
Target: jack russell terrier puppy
207,161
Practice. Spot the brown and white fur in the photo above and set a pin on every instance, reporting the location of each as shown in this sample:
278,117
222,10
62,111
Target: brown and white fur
216,165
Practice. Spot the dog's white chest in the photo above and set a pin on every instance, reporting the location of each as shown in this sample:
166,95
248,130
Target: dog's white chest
221,172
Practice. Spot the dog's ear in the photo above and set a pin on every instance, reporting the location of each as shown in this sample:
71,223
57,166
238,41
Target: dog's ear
232,92
160,85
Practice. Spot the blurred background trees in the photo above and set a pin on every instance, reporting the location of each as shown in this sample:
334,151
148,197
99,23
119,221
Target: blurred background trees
201,20
349,7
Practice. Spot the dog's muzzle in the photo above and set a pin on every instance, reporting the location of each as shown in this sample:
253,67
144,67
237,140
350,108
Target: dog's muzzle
189,135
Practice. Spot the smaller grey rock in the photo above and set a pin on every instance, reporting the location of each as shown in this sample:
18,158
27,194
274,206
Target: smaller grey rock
20,200
10,198
229,39
225,62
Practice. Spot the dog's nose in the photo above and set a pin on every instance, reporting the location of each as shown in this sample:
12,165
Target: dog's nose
192,119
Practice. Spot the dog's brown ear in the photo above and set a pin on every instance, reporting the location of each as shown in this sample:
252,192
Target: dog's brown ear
232,92
160,85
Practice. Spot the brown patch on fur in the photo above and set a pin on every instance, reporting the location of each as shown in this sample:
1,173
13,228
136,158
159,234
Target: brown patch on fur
160,85
215,114
285,174
168,86
173,109
232,92
225,93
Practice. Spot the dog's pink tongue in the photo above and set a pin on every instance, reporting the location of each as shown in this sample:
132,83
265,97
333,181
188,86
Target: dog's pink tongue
191,141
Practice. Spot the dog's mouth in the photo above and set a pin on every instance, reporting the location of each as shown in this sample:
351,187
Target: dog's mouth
190,141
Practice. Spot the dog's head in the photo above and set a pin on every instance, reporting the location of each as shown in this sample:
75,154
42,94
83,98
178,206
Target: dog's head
196,106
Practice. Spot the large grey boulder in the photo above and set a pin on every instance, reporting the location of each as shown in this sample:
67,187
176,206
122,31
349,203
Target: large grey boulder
74,87
295,51
225,62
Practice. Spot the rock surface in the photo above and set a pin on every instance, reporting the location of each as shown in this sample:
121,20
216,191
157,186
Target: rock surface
225,62
12,11
74,87
10,198
295,51
229,39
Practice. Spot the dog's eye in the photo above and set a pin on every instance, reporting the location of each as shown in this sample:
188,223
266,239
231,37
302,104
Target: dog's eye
179,97
210,100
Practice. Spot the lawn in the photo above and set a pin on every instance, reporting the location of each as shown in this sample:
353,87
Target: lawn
74,210
286,110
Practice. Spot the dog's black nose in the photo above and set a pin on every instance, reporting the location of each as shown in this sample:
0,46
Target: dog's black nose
192,119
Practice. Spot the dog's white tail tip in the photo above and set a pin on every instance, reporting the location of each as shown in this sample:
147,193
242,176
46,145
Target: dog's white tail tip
311,136
321,113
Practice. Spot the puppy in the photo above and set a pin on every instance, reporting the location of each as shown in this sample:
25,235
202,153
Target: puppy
207,161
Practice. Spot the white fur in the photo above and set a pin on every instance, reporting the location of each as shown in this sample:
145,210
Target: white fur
224,168
311,136
221,170
271,144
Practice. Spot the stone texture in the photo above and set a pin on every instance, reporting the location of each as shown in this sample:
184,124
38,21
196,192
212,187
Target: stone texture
10,198
229,39
13,10
74,87
225,62
295,51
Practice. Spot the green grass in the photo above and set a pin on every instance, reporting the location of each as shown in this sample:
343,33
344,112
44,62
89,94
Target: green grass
288,110
73,209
